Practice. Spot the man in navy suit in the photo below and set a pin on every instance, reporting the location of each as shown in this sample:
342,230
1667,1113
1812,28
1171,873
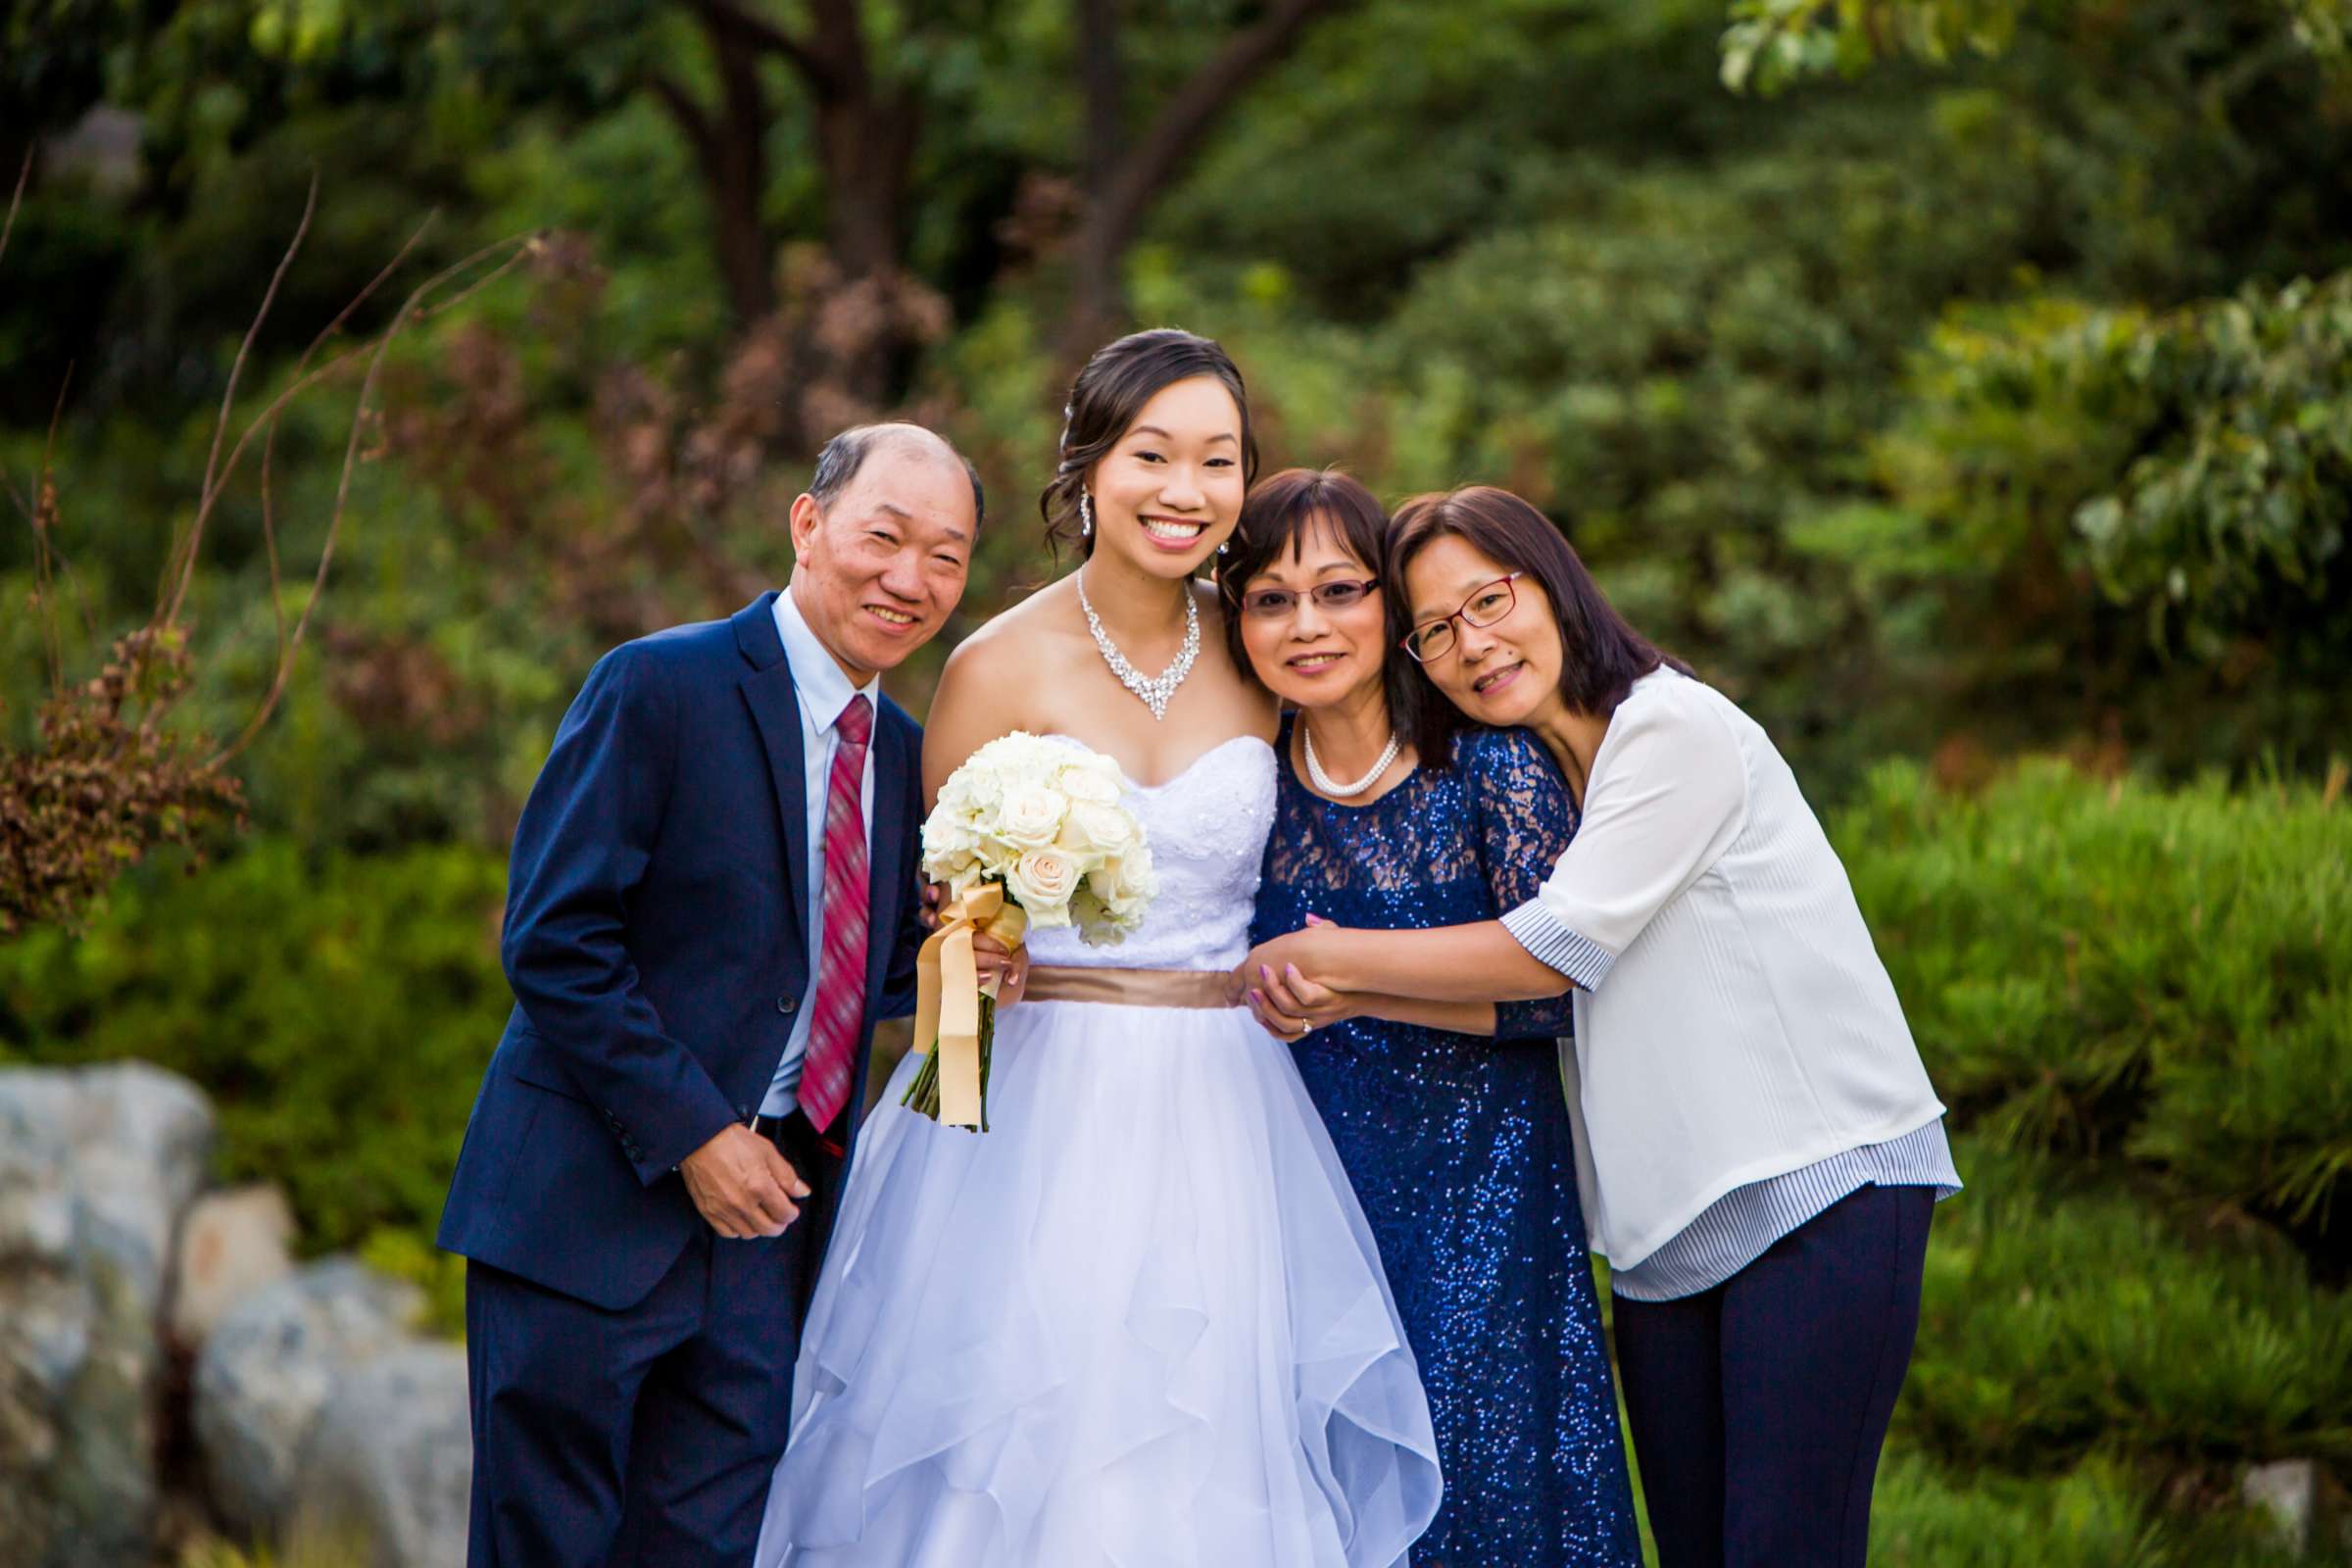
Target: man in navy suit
713,896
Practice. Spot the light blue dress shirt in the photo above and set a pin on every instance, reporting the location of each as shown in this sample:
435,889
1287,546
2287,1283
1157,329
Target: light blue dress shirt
823,692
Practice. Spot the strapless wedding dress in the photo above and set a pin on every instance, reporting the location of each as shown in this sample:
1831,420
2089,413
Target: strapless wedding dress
1141,1321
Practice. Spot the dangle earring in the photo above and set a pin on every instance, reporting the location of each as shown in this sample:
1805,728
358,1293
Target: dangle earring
1226,547
1085,516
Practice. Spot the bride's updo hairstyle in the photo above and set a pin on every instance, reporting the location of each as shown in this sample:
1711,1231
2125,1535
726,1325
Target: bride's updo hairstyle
1104,401
1601,655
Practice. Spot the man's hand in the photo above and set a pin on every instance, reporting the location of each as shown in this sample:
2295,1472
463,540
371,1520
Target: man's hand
743,1187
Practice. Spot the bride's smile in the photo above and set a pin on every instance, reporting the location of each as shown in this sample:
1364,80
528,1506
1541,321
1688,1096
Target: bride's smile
1169,491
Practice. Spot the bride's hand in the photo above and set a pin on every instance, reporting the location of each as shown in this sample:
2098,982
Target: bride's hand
1009,967
1308,951
1291,1006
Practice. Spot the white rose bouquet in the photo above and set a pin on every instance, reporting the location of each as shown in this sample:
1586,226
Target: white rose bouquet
1028,835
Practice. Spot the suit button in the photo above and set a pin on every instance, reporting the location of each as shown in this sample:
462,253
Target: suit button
785,1004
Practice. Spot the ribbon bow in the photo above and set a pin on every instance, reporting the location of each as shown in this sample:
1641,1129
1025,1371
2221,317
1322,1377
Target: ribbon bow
947,991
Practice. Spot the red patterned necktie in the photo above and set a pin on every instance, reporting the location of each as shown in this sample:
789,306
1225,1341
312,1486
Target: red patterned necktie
832,1057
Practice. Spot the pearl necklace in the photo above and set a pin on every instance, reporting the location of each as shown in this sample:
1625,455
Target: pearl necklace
1157,691
1324,781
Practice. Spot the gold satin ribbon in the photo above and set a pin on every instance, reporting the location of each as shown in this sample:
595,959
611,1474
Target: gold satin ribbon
947,994
1128,988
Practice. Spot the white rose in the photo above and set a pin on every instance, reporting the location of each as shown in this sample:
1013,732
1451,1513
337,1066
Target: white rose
960,874
1125,883
1094,779
947,836
1042,882
1030,815
1093,829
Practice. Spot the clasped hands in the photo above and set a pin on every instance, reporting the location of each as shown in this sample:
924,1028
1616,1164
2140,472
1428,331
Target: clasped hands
1276,982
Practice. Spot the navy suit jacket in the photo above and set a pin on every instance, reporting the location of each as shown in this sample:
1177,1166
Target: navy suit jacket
655,944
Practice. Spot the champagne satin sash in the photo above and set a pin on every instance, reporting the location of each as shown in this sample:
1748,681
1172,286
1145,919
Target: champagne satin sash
1128,988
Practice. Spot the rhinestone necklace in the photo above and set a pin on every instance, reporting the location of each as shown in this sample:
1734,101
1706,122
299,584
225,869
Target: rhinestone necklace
1155,690
1324,781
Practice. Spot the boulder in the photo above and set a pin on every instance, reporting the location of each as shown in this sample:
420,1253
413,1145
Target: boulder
231,1243
2288,1492
269,1367
383,1480
96,1166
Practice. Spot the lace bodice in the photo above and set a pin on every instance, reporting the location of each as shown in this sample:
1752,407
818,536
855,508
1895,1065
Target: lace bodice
1207,829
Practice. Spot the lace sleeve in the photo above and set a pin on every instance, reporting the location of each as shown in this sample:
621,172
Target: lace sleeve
1525,818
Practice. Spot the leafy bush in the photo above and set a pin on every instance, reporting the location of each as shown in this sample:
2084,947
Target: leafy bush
340,1013
2096,967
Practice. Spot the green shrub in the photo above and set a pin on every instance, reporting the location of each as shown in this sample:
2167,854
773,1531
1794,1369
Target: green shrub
2097,1515
339,1012
2070,1310
2101,967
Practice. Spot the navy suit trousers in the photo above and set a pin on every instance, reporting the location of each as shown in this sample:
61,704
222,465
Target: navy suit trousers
1758,1407
642,1438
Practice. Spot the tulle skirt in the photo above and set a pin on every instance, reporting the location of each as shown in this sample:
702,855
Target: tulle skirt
1139,1322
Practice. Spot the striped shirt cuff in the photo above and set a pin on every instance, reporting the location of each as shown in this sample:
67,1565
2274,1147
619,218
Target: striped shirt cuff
1579,958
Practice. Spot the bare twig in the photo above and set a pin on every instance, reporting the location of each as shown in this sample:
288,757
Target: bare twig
277,604
414,309
14,201
178,582
44,513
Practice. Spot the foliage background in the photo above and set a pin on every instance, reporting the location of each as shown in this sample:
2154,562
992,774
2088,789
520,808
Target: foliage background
1984,393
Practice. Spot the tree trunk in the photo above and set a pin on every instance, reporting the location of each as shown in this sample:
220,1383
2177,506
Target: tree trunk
730,151
866,145
1120,194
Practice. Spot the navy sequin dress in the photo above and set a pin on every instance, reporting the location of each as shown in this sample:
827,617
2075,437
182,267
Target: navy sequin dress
1461,1153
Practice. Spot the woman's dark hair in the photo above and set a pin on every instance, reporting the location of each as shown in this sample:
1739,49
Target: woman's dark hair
1278,519
1603,655
1104,400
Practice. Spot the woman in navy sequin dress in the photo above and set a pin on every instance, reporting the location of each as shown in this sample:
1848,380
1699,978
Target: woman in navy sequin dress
1448,1118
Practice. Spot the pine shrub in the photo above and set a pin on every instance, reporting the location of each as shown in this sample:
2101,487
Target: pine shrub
2103,967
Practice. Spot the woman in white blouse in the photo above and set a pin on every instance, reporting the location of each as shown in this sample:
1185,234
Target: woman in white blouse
1759,1147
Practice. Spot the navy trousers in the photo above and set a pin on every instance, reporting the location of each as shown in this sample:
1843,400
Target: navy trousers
643,1437
1758,1407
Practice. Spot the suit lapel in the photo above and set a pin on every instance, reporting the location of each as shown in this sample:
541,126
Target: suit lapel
885,856
777,712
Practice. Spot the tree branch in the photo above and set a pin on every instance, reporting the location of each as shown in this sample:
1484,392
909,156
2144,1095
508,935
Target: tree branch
690,115
1101,78
724,15
1194,110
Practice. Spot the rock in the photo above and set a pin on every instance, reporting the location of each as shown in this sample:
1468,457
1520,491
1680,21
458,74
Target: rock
384,1479
96,1166
2288,1491
231,1243
268,1368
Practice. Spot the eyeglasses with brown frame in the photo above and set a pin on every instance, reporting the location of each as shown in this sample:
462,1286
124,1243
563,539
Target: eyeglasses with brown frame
1485,606
1272,604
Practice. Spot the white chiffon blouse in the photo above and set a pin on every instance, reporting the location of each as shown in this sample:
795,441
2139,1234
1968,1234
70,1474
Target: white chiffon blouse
1732,1022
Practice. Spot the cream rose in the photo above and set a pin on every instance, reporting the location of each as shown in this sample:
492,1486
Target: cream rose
1090,780
1125,882
1042,882
947,835
1030,815
1093,829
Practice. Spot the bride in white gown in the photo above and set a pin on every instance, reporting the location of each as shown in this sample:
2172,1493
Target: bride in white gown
1141,1321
